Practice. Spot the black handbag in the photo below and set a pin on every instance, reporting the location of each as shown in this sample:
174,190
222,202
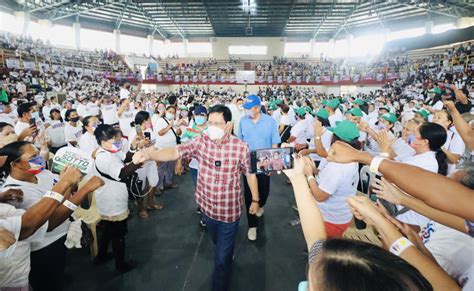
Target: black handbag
133,182
178,138
87,238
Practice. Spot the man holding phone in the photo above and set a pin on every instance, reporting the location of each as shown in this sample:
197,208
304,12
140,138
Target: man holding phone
259,131
221,158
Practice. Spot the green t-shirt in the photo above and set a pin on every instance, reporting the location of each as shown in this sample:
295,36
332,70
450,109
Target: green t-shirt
191,132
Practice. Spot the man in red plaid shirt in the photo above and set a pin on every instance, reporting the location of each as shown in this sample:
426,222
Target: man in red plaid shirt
221,157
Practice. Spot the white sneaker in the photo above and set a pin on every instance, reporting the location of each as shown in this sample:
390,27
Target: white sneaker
260,212
252,234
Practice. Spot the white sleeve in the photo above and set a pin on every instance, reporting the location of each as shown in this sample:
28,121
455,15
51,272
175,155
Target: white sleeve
13,225
328,178
298,129
457,145
68,133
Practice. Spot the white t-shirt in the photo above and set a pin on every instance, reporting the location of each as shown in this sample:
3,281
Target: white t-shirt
93,109
109,113
20,126
333,119
88,143
326,139
32,193
299,130
309,126
15,261
72,133
127,117
56,133
285,120
82,110
277,116
124,93
455,145
340,182
453,250
112,198
168,140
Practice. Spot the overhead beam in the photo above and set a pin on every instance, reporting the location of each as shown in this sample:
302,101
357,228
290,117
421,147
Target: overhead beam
120,18
79,11
156,28
40,8
430,10
318,29
349,15
162,7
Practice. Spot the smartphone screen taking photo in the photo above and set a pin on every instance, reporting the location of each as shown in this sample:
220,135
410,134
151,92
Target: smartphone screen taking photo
271,160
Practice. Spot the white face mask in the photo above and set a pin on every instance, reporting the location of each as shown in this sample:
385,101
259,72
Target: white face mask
215,132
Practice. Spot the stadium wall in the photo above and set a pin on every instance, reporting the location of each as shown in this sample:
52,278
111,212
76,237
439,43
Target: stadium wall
275,47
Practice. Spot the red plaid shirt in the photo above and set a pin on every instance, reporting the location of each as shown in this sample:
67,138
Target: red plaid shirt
218,191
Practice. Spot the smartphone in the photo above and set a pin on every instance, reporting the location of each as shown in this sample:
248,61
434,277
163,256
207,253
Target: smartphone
148,135
33,121
271,160
139,130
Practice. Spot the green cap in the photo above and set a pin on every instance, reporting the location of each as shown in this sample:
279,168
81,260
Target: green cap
324,102
308,109
390,117
356,112
437,91
345,130
359,102
300,111
334,103
385,108
278,102
423,112
272,106
323,113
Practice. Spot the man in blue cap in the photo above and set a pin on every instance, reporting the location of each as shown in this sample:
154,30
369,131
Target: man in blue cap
259,131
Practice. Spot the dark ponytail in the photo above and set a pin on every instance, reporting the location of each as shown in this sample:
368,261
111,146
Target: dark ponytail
442,162
436,136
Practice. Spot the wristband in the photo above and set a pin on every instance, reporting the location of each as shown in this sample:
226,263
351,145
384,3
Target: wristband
255,201
309,178
374,165
384,155
400,245
317,137
70,205
54,195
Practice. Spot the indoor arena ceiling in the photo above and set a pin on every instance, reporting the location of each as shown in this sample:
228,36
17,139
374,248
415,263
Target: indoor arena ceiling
194,19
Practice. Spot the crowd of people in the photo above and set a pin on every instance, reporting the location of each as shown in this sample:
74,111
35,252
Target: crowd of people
411,137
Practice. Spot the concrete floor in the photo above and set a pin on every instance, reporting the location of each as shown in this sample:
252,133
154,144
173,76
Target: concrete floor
174,252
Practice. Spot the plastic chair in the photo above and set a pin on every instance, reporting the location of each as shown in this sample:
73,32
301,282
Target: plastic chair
366,179
366,235
91,217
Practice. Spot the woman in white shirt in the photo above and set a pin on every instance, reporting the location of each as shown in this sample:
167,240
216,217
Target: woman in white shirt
88,142
126,114
112,198
336,182
320,144
55,131
144,138
73,128
166,137
454,147
25,170
427,142
298,134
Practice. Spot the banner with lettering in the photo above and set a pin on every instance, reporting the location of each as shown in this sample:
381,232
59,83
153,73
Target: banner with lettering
195,78
29,65
379,77
72,157
213,78
270,79
13,63
186,78
280,79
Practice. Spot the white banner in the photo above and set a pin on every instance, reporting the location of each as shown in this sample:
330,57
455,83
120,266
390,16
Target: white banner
245,77
29,65
13,63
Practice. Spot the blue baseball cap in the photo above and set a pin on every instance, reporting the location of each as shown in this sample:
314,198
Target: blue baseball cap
252,101
200,110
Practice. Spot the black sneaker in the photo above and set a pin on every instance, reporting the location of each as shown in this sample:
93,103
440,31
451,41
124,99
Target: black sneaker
99,260
198,211
203,224
126,267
